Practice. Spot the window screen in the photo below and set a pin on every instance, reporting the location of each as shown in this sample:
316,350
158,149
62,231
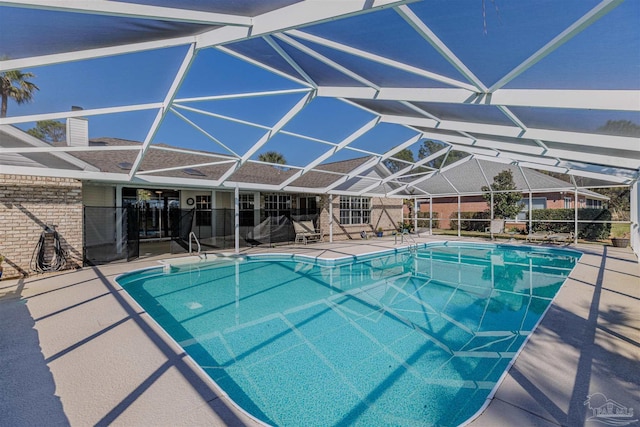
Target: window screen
203,210
355,210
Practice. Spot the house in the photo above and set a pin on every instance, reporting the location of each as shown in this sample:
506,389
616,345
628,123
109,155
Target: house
101,216
468,178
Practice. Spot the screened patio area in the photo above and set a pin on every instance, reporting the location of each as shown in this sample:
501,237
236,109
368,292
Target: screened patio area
414,88
417,101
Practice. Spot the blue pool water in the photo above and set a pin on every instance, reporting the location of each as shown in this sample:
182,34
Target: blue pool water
389,339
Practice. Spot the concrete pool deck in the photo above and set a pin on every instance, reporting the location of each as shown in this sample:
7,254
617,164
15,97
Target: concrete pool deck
75,350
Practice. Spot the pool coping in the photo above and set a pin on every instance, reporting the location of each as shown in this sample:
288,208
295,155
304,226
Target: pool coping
187,260
527,394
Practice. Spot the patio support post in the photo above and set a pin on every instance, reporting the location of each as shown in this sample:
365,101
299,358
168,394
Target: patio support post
415,214
236,218
530,209
491,205
214,217
330,218
119,215
575,216
491,219
430,215
459,215
635,218
256,208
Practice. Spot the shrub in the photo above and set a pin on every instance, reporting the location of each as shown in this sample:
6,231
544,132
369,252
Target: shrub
587,231
424,223
406,225
470,225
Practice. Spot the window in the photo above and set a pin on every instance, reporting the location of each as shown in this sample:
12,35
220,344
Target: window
537,203
307,205
567,202
246,202
277,204
246,208
594,204
203,210
355,210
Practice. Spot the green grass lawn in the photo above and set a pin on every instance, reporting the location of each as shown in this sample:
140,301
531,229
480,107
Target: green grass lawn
618,230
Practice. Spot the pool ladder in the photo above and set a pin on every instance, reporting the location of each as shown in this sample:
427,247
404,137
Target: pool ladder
413,245
192,236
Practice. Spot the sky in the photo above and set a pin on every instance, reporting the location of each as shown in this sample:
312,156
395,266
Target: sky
489,42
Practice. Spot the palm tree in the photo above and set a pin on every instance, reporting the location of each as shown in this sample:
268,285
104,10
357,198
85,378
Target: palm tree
14,84
272,157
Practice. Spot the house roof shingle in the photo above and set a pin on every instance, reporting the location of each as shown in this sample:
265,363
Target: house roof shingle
157,159
468,178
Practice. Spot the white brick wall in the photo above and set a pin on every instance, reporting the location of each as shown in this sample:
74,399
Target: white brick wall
385,213
27,204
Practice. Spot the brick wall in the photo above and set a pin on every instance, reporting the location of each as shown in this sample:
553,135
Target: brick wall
447,206
385,213
27,205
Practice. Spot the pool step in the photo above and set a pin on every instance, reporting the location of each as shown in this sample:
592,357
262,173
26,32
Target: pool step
196,259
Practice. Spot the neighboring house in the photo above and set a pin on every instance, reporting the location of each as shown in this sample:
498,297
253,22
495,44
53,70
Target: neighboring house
92,219
468,178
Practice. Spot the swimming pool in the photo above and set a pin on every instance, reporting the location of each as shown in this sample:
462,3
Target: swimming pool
393,338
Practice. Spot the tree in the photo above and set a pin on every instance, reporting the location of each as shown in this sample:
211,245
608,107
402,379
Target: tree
619,197
402,158
619,202
49,131
580,181
620,128
430,147
14,84
399,160
272,157
506,197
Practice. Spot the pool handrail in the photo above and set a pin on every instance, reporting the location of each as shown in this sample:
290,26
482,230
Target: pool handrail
192,234
412,247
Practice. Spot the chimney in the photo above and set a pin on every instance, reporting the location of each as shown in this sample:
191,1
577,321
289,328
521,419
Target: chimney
77,130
